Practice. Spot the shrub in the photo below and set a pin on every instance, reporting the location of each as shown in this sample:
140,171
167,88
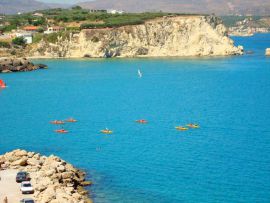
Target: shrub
37,37
95,39
4,44
19,41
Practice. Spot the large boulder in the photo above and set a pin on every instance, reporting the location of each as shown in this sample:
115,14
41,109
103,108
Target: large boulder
267,52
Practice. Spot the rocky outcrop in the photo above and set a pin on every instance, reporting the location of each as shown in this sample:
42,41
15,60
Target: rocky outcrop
18,65
167,36
267,52
53,179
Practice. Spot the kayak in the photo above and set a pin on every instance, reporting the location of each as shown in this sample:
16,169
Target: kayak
61,131
56,122
142,121
71,120
181,128
106,131
193,125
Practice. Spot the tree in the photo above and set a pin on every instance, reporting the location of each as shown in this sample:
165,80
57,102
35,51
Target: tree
19,41
76,8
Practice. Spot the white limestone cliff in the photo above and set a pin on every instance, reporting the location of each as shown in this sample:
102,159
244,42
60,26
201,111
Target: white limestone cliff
167,36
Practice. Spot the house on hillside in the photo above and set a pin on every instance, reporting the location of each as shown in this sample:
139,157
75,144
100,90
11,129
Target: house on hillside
113,11
27,36
38,14
31,29
53,29
97,11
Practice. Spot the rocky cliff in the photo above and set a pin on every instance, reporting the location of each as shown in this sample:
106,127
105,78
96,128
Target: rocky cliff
167,36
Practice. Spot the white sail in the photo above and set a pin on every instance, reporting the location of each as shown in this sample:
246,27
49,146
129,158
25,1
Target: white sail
139,73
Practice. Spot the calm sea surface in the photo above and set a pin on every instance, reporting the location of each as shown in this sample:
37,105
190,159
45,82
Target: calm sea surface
226,160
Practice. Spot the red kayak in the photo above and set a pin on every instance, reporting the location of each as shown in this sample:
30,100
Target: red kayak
61,131
142,121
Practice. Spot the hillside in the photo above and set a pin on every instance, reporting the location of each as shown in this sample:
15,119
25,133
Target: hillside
15,6
220,7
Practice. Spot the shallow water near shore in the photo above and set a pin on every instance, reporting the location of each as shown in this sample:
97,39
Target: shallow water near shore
226,160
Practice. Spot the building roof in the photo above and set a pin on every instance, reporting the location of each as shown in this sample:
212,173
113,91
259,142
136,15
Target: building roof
33,28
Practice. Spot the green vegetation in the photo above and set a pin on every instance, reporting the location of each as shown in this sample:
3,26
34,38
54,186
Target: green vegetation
73,20
19,41
83,17
4,44
51,38
230,21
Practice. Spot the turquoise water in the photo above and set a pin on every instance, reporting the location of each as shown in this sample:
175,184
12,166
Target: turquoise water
226,160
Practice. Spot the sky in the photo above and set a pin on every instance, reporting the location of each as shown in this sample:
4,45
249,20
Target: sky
63,1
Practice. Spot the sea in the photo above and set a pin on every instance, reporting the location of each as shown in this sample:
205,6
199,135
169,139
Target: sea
226,160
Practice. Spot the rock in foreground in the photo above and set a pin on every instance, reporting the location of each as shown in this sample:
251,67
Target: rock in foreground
8,65
54,180
267,52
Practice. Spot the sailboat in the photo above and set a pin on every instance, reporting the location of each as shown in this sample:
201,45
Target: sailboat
139,73
2,84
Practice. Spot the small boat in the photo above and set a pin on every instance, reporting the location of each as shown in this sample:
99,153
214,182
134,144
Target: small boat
56,122
2,84
142,121
106,131
193,125
139,73
71,120
61,131
181,128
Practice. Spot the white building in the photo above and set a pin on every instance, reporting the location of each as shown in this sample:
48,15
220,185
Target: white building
38,14
113,11
53,29
27,36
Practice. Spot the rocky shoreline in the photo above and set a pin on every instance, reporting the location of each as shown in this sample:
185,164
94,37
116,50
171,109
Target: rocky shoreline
8,65
54,180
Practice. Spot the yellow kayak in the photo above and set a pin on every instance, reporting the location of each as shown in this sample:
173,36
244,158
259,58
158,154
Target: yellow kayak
193,125
181,128
106,131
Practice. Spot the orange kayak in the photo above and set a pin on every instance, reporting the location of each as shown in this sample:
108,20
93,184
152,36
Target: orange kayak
142,121
61,131
193,125
71,120
56,122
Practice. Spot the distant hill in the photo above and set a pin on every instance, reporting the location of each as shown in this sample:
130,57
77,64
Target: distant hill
15,6
220,7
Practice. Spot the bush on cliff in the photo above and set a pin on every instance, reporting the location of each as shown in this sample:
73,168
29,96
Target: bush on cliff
4,44
19,41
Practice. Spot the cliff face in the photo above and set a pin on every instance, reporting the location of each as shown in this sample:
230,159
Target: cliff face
167,36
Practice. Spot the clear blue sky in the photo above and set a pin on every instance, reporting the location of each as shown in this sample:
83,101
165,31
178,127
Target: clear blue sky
63,1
